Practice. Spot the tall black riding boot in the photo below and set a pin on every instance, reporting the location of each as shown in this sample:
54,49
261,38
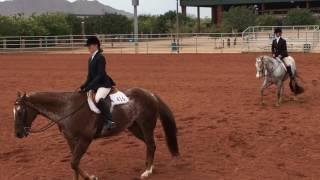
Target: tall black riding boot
289,70
104,107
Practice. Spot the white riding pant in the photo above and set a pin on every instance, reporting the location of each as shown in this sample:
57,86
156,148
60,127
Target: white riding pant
102,93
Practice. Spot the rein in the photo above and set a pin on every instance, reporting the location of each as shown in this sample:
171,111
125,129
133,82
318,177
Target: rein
52,123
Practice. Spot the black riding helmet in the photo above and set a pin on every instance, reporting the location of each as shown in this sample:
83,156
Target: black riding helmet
93,40
278,30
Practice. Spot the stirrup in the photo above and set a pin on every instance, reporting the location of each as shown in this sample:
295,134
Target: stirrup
109,125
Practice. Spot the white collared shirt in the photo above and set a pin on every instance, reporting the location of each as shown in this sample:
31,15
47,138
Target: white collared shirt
94,54
278,38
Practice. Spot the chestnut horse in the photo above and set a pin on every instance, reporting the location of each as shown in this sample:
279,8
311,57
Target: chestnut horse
79,125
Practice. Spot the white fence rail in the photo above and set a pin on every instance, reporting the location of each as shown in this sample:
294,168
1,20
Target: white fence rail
299,38
254,39
125,43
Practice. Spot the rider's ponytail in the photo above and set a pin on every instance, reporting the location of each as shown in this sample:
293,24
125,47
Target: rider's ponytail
100,49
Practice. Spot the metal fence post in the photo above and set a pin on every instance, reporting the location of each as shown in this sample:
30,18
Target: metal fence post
196,43
56,41
222,43
4,43
120,44
147,40
71,40
46,41
22,43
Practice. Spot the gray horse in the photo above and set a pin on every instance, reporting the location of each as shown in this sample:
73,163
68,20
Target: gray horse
275,72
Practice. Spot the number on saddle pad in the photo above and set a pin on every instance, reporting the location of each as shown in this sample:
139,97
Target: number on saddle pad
116,99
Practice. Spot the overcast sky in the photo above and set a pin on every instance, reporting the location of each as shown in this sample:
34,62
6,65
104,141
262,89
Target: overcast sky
152,6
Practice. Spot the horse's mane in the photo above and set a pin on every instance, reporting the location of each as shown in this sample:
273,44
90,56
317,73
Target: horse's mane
50,97
268,58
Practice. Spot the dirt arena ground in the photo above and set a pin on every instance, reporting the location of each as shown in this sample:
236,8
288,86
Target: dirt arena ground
224,133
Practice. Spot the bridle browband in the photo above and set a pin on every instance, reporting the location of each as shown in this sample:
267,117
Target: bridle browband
50,124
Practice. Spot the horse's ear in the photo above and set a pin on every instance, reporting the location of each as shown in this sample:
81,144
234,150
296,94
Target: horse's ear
24,94
18,94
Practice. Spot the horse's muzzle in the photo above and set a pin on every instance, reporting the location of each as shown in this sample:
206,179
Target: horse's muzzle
258,75
22,134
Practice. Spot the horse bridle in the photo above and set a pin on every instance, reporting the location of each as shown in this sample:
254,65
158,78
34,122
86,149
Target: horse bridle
263,69
29,130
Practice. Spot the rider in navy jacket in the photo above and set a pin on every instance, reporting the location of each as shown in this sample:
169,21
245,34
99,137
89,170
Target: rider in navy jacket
279,49
99,82
97,76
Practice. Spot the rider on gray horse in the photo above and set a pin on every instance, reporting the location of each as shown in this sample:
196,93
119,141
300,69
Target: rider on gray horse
279,50
98,81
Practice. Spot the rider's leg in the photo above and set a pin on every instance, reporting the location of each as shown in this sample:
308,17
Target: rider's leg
289,70
104,107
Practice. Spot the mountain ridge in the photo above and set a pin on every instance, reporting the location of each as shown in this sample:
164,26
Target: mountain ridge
79,7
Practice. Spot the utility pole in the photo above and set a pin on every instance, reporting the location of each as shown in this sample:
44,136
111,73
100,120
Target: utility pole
177,28
135,4
83,28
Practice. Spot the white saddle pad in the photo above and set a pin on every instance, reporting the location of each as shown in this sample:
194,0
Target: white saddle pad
117,98
289,61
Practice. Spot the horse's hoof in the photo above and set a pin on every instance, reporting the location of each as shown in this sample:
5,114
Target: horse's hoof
277,104
94,178
146,173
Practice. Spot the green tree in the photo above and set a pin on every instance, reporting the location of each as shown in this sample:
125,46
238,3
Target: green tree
238,19
108,24
54,23
267,20
74,23
147,24
20,26
8,26
299,17
188,24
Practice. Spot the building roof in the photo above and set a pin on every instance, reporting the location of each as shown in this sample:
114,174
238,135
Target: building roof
234,2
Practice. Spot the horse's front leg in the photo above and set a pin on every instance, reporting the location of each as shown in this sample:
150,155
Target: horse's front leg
80,148
281,93
280,90
263,87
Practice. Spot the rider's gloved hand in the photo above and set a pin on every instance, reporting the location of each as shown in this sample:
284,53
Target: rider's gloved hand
82,89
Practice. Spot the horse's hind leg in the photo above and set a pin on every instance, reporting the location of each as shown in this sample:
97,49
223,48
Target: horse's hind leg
151,148
147,137
79,149
279,93
136,131
148,134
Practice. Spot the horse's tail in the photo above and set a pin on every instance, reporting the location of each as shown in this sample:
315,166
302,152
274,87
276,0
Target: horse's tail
169,126
298,75
295,87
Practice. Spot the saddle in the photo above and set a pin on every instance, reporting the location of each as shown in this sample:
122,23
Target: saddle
287,62
115,96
